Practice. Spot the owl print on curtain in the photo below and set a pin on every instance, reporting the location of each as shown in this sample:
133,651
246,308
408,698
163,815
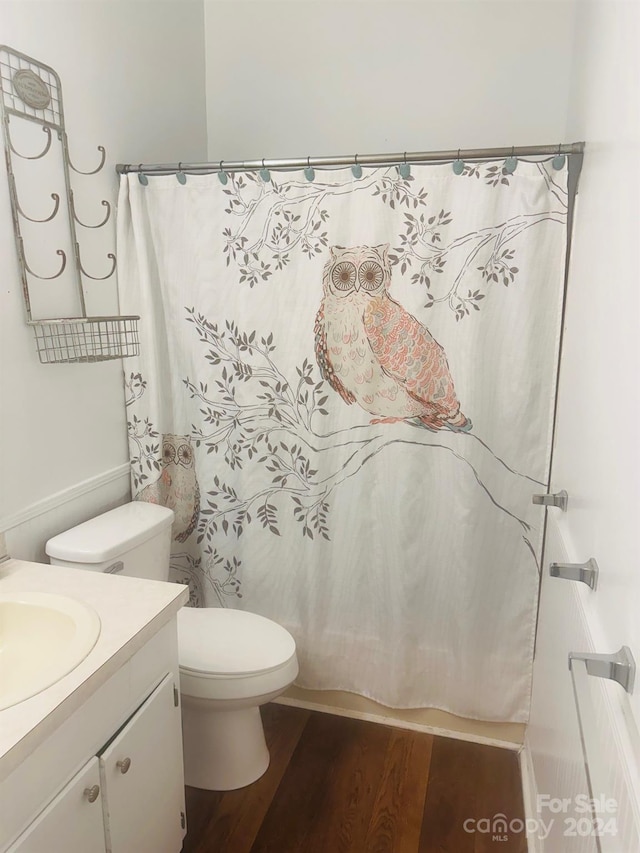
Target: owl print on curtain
375,353
177,487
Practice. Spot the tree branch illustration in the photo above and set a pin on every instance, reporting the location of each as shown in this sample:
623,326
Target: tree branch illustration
252,414
291,215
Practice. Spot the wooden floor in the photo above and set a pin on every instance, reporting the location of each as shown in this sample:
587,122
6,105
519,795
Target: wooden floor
336,785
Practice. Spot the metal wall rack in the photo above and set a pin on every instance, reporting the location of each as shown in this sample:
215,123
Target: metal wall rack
31,93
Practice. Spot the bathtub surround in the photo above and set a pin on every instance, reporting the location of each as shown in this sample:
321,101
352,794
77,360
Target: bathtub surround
346,394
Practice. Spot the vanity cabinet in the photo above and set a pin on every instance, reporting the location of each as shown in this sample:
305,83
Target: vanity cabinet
128,798
128,794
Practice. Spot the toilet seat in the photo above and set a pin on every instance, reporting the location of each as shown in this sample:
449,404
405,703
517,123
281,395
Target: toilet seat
217,642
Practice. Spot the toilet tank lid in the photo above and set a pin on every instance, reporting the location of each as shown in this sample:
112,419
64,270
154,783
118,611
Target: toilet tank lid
108,535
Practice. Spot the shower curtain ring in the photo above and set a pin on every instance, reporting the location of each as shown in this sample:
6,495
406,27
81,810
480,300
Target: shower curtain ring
144,180
458,165
404,170
559,160
511,163
309,172
222,175
180,175
356,170
264,173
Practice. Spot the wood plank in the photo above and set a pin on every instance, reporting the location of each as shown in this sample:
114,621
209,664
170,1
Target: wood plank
469,782
326,798
337,785
229,820
451,797
397,813
500,793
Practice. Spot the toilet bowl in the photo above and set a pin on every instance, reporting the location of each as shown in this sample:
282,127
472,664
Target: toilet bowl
231,661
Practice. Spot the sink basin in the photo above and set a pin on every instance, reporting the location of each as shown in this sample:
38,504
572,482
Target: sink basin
42,638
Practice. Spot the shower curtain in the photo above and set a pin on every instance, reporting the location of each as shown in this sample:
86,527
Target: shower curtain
345,392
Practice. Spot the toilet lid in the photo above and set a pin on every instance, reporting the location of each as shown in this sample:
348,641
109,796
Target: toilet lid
215,640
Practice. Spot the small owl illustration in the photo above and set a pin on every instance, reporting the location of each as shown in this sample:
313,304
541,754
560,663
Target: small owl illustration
177,487
375,353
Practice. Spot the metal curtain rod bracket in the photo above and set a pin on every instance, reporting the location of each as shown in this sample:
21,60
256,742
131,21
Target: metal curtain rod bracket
403,157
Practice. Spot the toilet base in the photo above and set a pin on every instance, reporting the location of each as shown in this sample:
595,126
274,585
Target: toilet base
223,750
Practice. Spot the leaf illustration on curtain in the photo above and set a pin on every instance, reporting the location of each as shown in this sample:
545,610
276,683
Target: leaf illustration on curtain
290,216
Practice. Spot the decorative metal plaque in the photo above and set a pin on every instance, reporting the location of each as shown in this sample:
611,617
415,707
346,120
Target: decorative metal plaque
31,89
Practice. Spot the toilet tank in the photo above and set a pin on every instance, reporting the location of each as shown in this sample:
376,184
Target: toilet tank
133,539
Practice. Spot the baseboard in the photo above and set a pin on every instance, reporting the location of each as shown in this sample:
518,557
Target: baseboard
387,716
535,844
34,510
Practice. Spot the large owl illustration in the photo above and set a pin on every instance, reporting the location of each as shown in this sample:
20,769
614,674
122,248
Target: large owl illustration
375,353
177,487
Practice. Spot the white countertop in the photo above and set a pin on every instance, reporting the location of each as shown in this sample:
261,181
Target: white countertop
131,611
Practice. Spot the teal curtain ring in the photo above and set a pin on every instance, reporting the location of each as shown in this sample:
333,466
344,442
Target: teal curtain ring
180,175
458,165
511,163
309,172
222,175
144,180
404,169
356,169
264,173
558,161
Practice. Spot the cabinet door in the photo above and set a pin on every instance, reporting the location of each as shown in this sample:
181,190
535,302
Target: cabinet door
143,779
71,822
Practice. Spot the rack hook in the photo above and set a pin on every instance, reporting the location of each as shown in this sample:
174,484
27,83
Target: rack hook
111,257
104,203
47,146
95,171
56,206
45,277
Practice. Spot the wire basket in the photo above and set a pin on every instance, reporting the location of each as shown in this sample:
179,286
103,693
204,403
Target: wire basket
86,339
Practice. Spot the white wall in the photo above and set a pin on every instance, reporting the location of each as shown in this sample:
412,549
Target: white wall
133,80
597,453
322,77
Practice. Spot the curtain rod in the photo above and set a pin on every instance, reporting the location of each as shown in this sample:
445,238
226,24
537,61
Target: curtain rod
354,159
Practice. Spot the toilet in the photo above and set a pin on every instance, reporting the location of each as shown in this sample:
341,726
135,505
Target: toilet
231,661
